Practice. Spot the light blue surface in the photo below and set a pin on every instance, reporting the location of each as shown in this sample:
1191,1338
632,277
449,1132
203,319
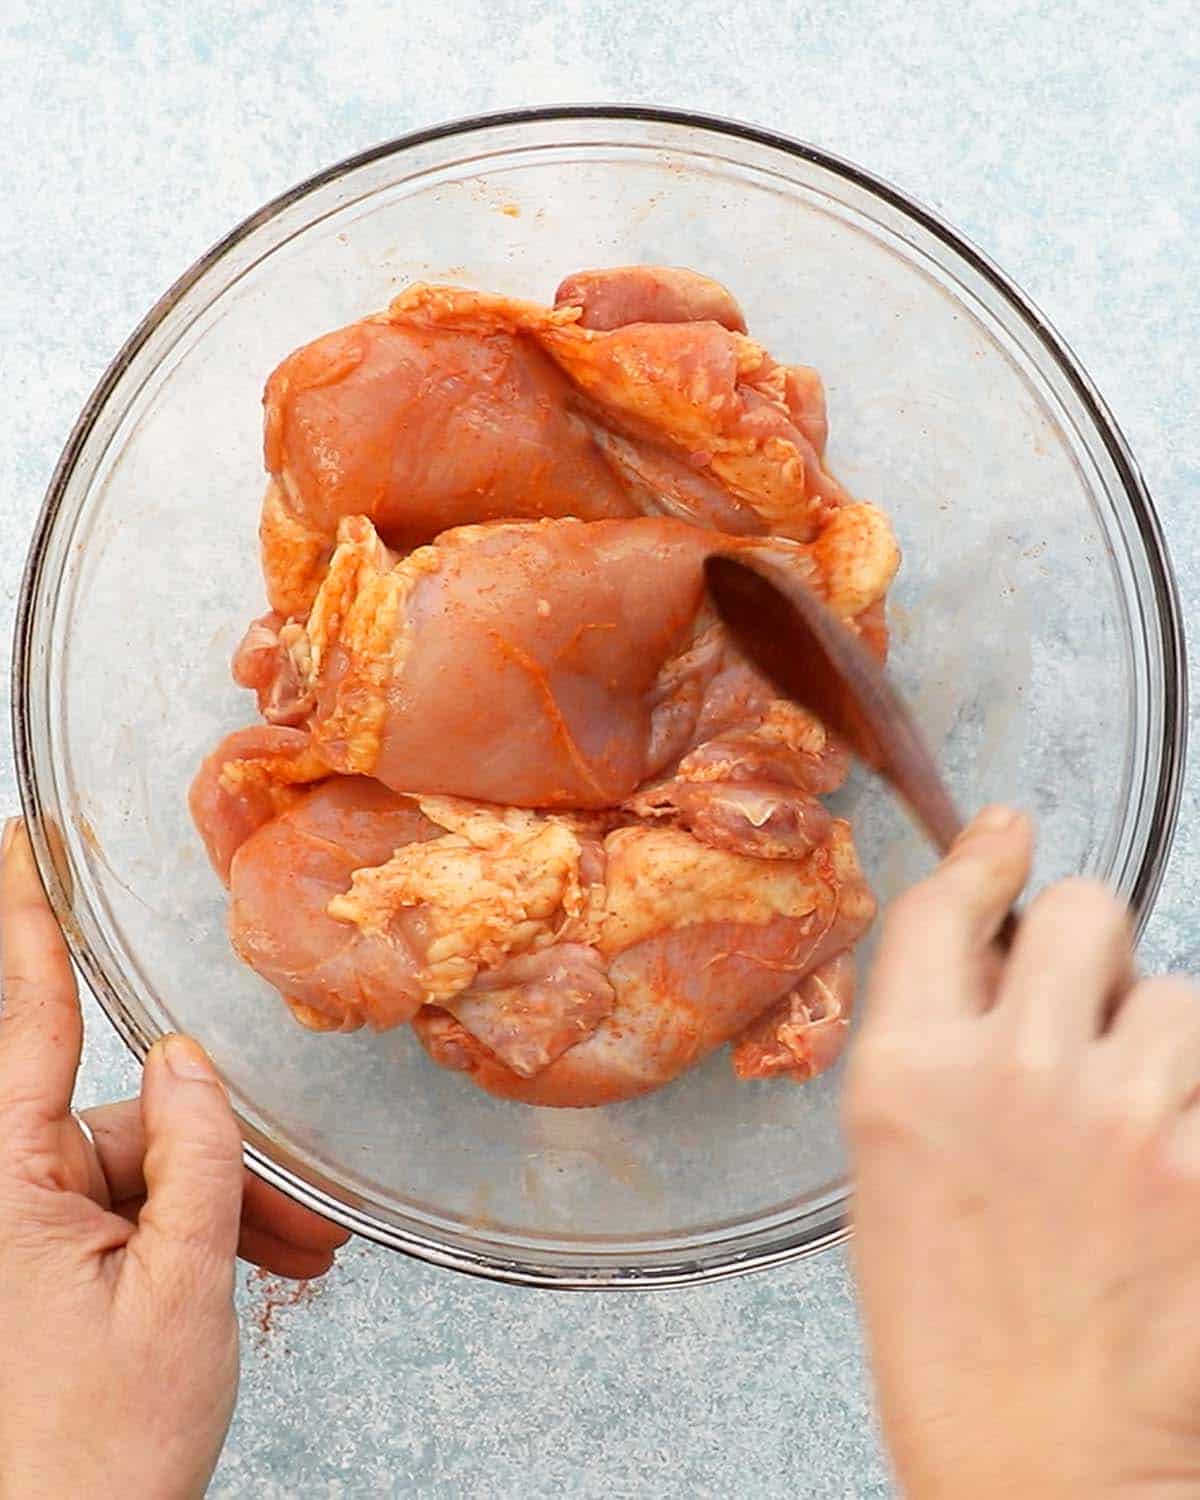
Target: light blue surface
1064,138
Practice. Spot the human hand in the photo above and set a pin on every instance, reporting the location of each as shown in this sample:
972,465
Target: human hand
1026,1137
117,1323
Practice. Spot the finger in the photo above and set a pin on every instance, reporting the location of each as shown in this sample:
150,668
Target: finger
936,935
268,1209
1151,1054
281,1258
121,1148
259,1247
41,1030
188,1228
120,1142
1073,953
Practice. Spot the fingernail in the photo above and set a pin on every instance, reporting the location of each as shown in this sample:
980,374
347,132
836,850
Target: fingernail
10,833
187,1059
994,820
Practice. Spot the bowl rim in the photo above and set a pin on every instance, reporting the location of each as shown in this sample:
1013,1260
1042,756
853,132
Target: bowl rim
1167,790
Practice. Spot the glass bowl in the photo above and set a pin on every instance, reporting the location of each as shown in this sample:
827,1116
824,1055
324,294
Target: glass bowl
1035,623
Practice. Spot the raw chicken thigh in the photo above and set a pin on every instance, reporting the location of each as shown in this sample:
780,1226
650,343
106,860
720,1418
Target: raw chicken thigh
418,427
581,645
554,963
254,775
516,786
648,294
282,880
696,943
456,406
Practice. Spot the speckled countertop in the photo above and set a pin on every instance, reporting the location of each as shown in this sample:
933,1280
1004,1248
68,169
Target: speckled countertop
1064,138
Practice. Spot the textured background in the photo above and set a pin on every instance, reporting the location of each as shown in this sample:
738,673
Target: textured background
1064,138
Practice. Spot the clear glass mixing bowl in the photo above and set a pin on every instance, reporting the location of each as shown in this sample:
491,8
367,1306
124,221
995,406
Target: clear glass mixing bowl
1035,625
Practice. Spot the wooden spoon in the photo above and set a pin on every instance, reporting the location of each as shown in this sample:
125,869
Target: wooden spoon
812,658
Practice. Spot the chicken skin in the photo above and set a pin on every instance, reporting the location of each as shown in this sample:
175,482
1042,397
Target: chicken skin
698,942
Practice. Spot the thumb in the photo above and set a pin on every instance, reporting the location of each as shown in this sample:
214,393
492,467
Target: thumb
188,1227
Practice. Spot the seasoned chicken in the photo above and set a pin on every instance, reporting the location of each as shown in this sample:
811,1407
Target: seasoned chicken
282,880
714,400
360,904
648,294
580,646
516,785
419,428
750,429
666,294
753,788
698,943
638,392
555,963
251,777
802,1034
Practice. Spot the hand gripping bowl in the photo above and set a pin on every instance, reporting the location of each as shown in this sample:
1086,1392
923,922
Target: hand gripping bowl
1035,626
